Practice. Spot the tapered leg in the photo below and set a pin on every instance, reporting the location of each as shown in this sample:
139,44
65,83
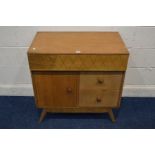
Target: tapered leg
42,116
111,115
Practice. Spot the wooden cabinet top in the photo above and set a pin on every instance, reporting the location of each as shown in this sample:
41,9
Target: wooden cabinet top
78,43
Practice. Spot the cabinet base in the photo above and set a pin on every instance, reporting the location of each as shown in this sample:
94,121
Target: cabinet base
77,110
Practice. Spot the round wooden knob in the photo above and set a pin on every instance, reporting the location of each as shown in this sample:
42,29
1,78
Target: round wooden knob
100,81
98,99
69,90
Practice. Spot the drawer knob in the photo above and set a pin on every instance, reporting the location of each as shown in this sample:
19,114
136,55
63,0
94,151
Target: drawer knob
69,90
100,81
98,99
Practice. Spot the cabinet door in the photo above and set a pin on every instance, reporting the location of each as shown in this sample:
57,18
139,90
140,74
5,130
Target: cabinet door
55,89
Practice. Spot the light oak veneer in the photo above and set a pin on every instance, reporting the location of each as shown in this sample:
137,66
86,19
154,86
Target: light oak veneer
78,71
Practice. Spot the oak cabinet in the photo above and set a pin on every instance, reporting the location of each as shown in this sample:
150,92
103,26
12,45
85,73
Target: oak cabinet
77,71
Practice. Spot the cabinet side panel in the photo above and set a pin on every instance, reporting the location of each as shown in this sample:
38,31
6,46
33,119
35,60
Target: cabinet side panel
121,90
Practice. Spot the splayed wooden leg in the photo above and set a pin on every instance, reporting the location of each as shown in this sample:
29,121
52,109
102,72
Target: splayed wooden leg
111,115
42,116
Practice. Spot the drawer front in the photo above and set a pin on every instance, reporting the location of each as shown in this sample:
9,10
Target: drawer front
78,62
101,80
55,89
98,98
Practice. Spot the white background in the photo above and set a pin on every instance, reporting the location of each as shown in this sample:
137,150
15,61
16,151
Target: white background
15,76
76,13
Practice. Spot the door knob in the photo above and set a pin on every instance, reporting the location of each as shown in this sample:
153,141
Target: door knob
100,81
98,99
69,90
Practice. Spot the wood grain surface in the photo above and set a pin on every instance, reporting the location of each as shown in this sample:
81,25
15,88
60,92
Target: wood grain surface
78,71
85,42
101,80
56,89
93,62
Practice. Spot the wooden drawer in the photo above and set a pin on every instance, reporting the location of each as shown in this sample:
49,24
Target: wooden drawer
101,80
98,98
55,89
77,62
